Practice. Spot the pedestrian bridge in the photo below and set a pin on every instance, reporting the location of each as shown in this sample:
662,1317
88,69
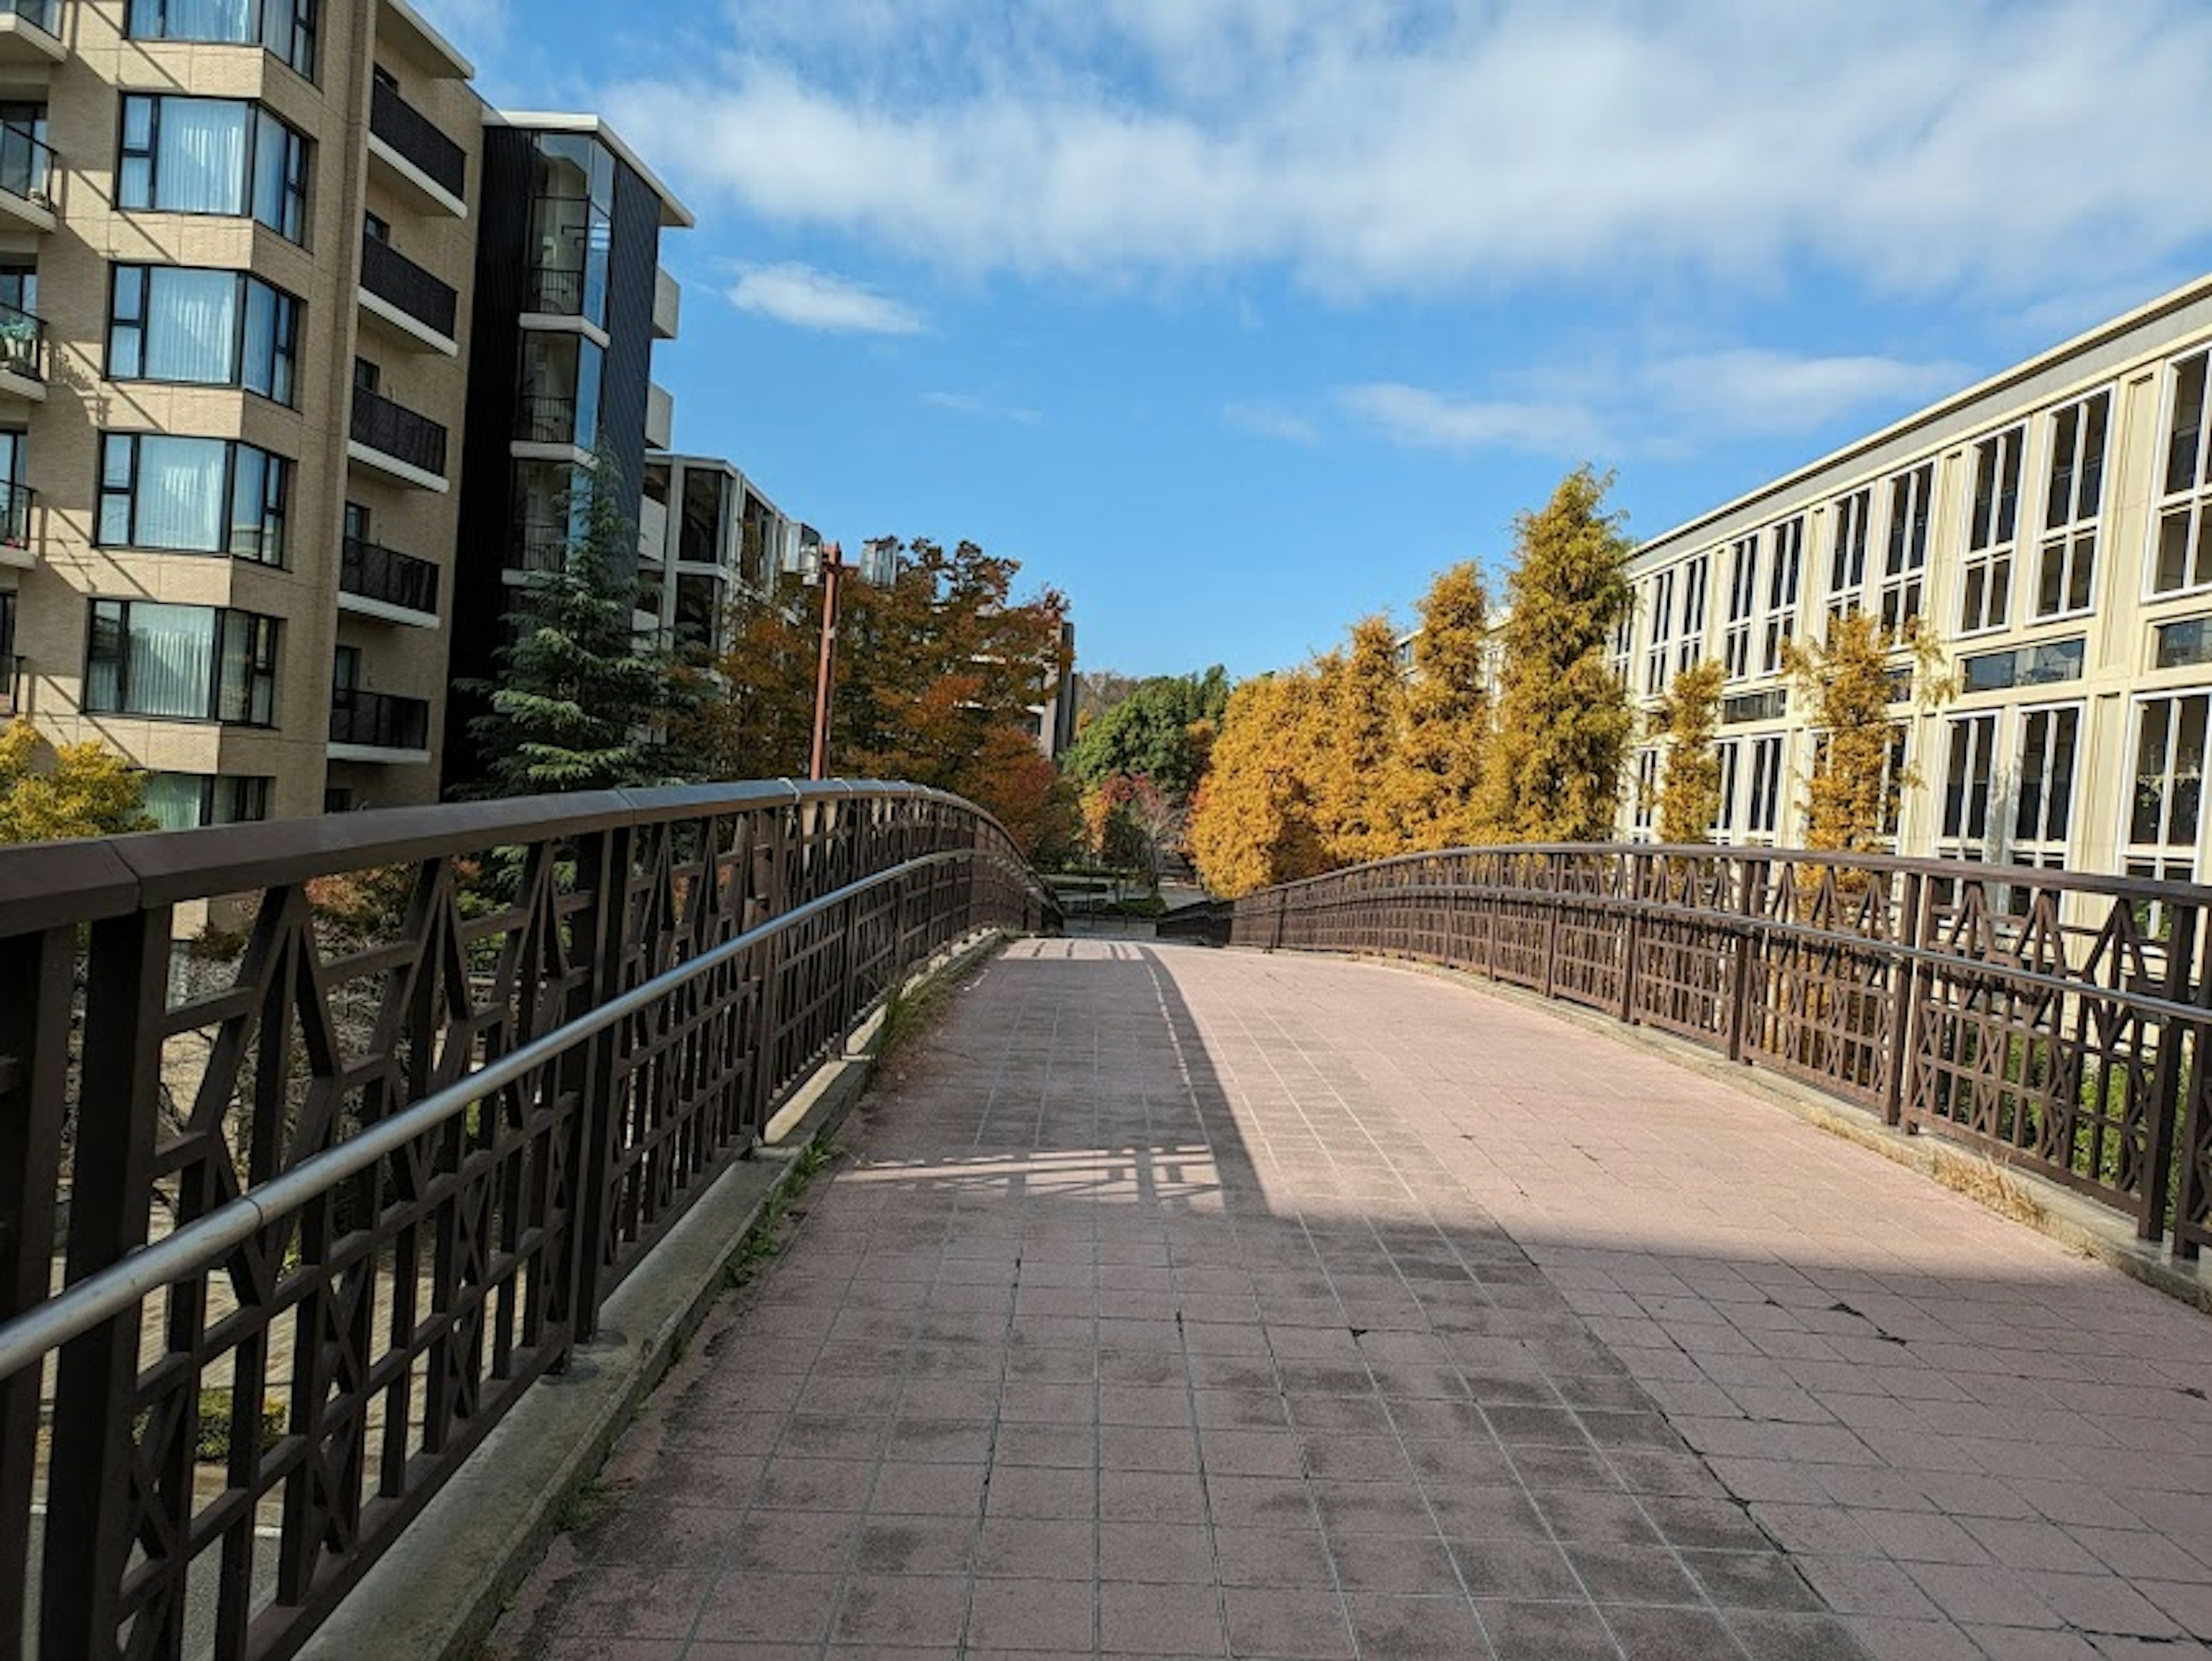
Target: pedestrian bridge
1161,1300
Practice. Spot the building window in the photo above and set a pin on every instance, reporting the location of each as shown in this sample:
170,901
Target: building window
2185,509
206,328
1785,571
185,801
561,376
1663,631
1905,558
1623,631
192,495
1728,755
2169,786
1762,817
2182,644
1696,576
284,27
1847,565
2049,664
572,219
1646,804
1742,607
2066,570
1969,776
1992,523
213,156
181,663
2043,817
7,637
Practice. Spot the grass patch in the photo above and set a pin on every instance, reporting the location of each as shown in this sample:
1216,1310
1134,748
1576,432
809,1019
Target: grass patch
765,1239
908,1011
586,1503
1988,1184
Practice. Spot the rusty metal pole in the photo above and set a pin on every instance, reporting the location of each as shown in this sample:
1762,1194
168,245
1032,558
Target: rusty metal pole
825,679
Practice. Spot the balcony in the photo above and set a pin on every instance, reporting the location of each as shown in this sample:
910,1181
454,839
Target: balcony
27,168
394,440
31,33
414,304
667,305
546,418
13,671
382,582
659,417
540,547
22,354
16,502
408,147
377,726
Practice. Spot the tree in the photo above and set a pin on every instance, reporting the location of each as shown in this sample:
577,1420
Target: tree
938,675
1440,765
1685,720
88,790
1253,822
1857,779
1162,732
1357,720
1564,721
579,696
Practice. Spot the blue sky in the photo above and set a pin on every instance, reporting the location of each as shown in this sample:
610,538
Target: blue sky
1235,319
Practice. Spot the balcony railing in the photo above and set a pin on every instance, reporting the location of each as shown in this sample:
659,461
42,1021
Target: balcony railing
22,343
386,575
398,431
417,137
44,13
557,290
546,418
378,720
392,276
16,502
11,683
27,165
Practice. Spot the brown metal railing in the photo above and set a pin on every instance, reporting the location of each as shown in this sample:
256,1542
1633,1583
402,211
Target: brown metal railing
2060,1023
365,1160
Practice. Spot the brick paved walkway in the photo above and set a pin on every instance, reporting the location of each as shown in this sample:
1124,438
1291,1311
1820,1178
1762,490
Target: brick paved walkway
1183,1303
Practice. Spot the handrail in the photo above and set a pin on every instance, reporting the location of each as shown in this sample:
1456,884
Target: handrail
2059,1021
204,1243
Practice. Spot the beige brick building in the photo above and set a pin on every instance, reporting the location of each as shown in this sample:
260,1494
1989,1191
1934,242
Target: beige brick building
2052,529
239,247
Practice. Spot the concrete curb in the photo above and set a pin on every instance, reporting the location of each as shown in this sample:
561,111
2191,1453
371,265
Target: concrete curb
2052,1211
441,1588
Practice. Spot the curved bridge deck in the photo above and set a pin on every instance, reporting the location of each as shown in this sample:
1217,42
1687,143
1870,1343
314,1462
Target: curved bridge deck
1174,1302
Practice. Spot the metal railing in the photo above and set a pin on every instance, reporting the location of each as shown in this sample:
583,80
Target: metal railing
541,548
42,13
557,290
392,276
22,343
13,668
2060,1023
383,574
415,137
378,720
27,165
369,1170
545,418
398,431
16,502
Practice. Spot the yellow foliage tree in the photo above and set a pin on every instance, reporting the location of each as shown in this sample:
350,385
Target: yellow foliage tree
1438,775
1354,727
1253,824
89,791
1852,793
1685,720
1564,721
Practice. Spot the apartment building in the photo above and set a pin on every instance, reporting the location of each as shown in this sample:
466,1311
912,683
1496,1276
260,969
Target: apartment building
242,346
2051,530
708,536
570,299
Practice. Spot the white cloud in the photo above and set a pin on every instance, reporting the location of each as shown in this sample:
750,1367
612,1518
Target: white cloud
1268,421
1667,404
808,298
470,24
1423,419
969,404
1402,145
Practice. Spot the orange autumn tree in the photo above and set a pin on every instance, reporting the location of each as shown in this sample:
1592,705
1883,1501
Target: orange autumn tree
1358,718
1253,822
938,675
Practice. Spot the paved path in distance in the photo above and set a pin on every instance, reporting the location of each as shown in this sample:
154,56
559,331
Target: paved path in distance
1176,1303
